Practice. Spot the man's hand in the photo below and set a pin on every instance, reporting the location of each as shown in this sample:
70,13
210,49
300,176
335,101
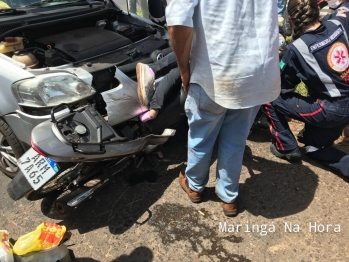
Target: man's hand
181,38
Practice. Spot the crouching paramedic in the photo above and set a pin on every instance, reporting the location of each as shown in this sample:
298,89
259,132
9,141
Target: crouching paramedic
318,57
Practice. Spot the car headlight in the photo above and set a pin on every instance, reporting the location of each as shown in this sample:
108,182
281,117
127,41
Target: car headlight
51,89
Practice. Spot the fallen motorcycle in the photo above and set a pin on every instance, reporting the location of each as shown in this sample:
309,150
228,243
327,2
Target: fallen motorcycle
78,152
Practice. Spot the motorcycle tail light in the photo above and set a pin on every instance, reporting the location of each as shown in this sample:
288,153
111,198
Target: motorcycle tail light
36,148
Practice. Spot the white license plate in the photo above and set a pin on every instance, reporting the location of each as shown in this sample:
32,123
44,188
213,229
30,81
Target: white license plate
36,168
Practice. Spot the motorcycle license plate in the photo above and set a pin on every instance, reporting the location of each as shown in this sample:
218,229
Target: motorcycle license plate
36,168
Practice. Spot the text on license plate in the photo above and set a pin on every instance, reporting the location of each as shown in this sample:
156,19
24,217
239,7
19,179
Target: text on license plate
36,168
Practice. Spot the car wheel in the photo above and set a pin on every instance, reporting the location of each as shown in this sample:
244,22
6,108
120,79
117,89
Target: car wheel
10,150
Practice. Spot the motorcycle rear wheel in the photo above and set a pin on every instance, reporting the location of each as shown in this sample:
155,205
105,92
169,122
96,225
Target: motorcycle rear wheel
58,183
55,184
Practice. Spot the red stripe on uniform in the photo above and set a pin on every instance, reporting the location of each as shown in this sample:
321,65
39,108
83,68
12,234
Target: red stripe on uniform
315,112
278,141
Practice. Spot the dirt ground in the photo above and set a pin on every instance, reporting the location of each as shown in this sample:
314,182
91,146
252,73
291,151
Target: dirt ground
288,212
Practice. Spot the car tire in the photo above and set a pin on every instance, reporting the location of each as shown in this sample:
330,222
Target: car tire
9,139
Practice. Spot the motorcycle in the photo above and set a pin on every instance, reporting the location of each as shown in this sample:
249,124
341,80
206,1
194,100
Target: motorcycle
64,56
78,152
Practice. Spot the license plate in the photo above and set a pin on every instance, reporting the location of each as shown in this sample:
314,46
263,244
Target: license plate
36,168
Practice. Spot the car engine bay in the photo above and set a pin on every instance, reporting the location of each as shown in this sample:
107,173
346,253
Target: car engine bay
106,37
96,39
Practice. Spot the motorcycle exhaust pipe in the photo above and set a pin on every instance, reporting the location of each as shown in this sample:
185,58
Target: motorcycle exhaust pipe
61,203
79,196
85,195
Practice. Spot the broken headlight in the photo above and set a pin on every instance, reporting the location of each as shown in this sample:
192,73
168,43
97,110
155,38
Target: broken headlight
52,89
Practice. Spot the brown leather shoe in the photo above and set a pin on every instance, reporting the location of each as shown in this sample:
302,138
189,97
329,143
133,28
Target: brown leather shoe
194,197
230,209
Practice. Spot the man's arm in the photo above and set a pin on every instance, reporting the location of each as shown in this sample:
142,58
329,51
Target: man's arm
179,17
181,38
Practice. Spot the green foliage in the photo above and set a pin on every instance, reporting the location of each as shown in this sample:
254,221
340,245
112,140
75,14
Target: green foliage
288,39
302,89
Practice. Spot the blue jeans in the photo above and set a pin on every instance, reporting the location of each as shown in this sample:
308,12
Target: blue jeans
209,122
281,6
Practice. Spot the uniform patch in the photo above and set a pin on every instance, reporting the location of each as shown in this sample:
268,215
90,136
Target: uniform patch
337,57
282,65
331,38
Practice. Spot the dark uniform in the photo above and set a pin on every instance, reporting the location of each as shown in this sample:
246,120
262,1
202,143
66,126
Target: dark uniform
320,59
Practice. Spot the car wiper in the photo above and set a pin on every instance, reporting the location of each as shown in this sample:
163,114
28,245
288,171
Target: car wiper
11,11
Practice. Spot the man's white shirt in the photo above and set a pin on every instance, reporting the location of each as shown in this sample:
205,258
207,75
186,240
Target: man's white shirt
234,55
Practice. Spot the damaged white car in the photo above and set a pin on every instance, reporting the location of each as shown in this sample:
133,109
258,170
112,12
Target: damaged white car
67,51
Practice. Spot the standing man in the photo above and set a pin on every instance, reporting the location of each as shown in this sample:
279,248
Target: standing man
227,53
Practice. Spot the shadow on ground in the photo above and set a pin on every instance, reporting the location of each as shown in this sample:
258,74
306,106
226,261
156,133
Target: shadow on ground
276,189
140,254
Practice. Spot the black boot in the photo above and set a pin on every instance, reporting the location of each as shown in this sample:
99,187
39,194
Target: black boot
294,155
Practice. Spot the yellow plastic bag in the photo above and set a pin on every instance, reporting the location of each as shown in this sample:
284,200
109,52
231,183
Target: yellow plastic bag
45,236
5,249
